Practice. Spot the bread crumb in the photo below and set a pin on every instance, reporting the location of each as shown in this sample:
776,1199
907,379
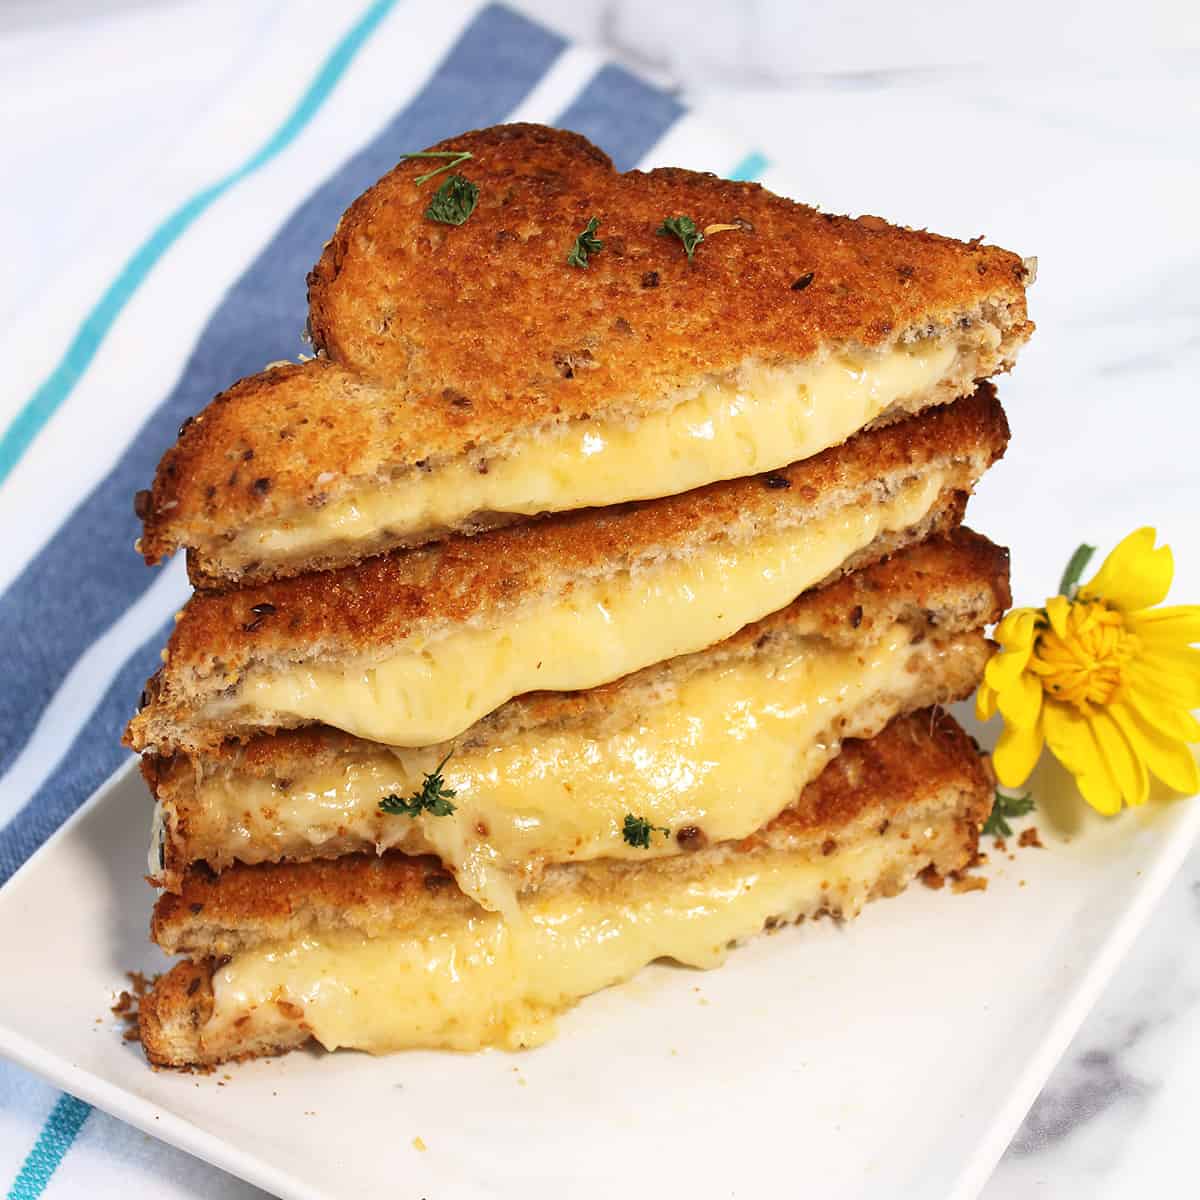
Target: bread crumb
1029,837
931,879
969,883
419,1144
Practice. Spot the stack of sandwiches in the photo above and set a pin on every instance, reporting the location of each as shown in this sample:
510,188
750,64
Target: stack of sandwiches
572,608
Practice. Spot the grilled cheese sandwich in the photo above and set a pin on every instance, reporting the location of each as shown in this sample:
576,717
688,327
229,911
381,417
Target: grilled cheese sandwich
712,746
765,418
647,373
377,954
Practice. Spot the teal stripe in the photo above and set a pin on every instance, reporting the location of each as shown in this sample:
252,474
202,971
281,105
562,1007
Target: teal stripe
43,404
60,1130
751,167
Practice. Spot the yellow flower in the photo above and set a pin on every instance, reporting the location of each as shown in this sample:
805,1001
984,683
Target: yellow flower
1104,679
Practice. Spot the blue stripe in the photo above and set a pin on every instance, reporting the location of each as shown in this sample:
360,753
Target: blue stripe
41,406
60,1130
622,114
751,167
91,758
83,579
499,35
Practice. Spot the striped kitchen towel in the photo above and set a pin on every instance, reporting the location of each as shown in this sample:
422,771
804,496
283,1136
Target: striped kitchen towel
197,280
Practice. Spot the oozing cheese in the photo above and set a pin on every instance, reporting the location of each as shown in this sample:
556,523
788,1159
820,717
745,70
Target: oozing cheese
723,753
766,418
481,981
433,690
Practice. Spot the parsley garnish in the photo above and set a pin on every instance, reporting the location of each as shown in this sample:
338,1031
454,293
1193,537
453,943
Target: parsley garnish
586,243
684,228
1069,584
456,157
433,798
1003,807
454,201
638,830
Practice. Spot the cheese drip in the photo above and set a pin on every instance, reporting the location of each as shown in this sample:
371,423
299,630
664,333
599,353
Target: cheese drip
470,982
766,418
432,691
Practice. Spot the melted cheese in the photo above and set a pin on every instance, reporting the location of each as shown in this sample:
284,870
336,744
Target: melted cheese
479,981
767,418
727,750
433,690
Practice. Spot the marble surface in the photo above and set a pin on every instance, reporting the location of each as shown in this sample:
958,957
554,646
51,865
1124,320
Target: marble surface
1065,131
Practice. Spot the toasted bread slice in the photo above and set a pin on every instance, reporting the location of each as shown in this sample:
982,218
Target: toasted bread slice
413,648
404,959
713,744
468,376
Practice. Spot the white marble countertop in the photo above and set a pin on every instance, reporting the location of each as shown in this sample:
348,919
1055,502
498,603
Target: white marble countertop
1069,132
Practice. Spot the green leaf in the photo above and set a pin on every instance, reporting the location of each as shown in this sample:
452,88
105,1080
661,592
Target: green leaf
586,243
433,798
1069,584
455,156
638,830
684,228
1004,807
454,201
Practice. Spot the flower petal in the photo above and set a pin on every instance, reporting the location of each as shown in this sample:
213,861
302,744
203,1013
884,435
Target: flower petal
1072,742
1135,575
985,703
1018,629
1021,704
1168,758
1171,720
1178,625
1123,763
1016,754
1160,678
1004,669
1058,609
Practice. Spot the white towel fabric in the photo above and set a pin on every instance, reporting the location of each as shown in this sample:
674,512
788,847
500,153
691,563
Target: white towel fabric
165,257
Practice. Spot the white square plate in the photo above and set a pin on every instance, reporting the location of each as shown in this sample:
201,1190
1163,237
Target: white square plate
891,1057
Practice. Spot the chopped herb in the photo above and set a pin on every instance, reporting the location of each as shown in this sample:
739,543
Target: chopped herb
684,228
455,156
586,243
454,201
1002,808
1069,583
433,798
638,831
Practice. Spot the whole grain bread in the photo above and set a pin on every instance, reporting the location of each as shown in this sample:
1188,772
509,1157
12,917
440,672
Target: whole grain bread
438,344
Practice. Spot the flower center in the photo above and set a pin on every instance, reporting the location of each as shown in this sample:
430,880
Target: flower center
1084,666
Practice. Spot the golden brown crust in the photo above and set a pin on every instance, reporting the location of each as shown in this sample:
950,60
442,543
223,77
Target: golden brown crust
371,608
917,757
435,341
